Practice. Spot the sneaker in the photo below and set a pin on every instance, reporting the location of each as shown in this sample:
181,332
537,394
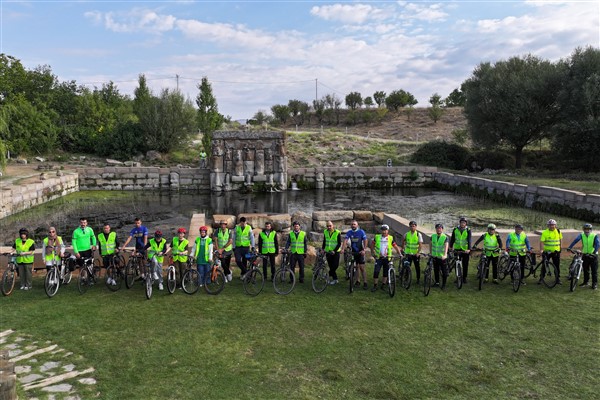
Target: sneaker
595,286
334,282
229,277
160,286
486,280
155,275
200,285
539,282
496,282
25,287
584,284
436,284
523,283
559,282
374,289
365,286
22,288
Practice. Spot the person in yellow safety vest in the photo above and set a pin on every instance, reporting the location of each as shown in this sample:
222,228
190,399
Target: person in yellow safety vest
222,241
439,252
108,245
590,244
202,250
267,245
382,248
517,245
24,248
460,241
179,246
550,242
492,244
411,246
297,244
53,249
202,159
156,250
332,244
243,242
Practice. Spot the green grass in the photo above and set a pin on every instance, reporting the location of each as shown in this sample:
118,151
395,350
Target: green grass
586,183
537,343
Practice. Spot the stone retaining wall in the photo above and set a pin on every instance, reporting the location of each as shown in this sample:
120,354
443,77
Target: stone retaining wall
144,178
15,198
8,379
550,199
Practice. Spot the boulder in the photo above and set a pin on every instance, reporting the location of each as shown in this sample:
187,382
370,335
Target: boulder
334,215
363,215
316,237
280,221
304,219
256,220
132,164
21,160
110,161
153,155
40,159
378,217
217,218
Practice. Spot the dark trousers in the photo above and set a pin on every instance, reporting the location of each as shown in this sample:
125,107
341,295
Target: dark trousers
522,262
270,260
412,258
590,262
240,259
333,260
555,257
84,254
494,262
465,265
225,263
297,258
440,265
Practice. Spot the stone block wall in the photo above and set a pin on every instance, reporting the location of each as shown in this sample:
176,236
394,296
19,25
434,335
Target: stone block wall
144,178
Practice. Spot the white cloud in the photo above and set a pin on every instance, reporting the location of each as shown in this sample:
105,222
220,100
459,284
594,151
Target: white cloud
428,13
135,20
348,13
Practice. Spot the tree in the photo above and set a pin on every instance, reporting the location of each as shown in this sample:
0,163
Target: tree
379,98
435,111
455,99
319,107
208,117
512,103
354,100
369,101
280,112
398,99
298,110
261,117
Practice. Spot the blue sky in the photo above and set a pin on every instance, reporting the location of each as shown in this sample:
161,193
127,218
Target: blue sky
260,53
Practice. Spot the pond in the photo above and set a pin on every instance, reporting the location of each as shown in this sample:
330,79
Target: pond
168,211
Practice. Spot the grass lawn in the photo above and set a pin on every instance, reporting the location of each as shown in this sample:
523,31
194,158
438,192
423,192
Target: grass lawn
537,343
589,183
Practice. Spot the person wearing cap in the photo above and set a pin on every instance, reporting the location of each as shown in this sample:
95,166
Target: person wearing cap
492,243
84,241
267,245
590,244
411,246
108,246
179,248
517,245
53,249
243,240
461,241
382,247
332,243
357,238
24,248
223,240
297,244
439,252
550,242
140,233
203,253
155,250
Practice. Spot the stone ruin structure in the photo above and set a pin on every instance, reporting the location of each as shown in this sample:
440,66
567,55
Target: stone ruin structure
243,159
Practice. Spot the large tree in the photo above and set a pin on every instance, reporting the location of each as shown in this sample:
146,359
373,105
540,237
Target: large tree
209,119
400,98
512,103
354,100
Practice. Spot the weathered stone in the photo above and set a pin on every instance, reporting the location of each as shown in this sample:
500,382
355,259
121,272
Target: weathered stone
30,378
217,218
153,155
333,215
363,215
49,365
60,388
303,219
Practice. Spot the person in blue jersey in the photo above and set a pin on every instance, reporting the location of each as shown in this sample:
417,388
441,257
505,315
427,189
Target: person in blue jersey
357,239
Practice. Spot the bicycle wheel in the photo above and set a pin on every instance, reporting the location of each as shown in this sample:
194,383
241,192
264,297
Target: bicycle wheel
320,279
148,285
97,268
284,281
8,281
516,278
129,274
459,277
51,283
214,282
171,280
84,280
549,274
427,281
67,277
254,282
503,264
573,277
351,275
481,274
191,281
113,279
405,277
392,282
528,268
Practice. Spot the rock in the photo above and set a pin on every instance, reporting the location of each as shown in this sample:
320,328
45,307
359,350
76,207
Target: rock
153,155
60,388
217,218
132,164
30,378
21,160
110,161
87,381
59,173
49,365
280,221
82,158
316,237
40,159
378,217
337,215
43,176
363,215
303,218
22,369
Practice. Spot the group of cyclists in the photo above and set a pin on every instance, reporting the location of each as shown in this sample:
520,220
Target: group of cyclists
236,243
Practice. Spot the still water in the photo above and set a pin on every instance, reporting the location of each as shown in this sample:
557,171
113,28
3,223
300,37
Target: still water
168,211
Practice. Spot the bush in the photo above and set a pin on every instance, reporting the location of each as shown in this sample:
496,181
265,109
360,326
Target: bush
442,154
492,159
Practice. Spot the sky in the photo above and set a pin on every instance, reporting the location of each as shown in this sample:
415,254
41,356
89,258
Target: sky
260,53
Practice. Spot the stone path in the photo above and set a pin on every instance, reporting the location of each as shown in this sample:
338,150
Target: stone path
46,371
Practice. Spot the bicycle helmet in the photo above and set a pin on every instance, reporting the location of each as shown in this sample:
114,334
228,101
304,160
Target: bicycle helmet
491,226
158,234
439,226
518,226
385,227
412,223
551,222
181,230
23,231
587,226
203,228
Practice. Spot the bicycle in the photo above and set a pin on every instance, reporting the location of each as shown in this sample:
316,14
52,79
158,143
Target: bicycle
10,274
190,282
455,263
88,273
405,273
148,274
253,280
350,267
320,276
55,276
482,266
132,268
171,277
115,272
511,268
575,269
428,275
548,271
214,281
392,275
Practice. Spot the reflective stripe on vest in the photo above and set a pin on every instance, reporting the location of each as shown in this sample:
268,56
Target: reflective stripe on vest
490,245
223,238
201,253
331,240
587,243
156,248
108,245
437,244
297,243
242,238
411,245
22,248
377,246
56,252
268,242
517,245
551,240
177,248
460,240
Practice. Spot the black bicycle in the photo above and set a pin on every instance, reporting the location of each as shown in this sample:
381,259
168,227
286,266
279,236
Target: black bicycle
350,267
482,266
455,264
428,275
404,271
89,273
320,277
548,271
511,268
115,272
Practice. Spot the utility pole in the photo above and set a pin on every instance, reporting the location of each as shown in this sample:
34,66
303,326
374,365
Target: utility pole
177,79
316,91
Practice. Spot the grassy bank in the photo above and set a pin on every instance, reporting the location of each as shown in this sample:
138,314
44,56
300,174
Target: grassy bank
586,183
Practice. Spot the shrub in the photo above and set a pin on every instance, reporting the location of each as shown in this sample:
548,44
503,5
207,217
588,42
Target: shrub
492,159
442,154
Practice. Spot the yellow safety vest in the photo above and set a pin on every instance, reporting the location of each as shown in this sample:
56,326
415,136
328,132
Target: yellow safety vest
268,242
437,244
177,248
551,239
411,245
156,248
108,245
242,237
223,238
587,243
331,240
297,243
23,247
377,246
49,256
